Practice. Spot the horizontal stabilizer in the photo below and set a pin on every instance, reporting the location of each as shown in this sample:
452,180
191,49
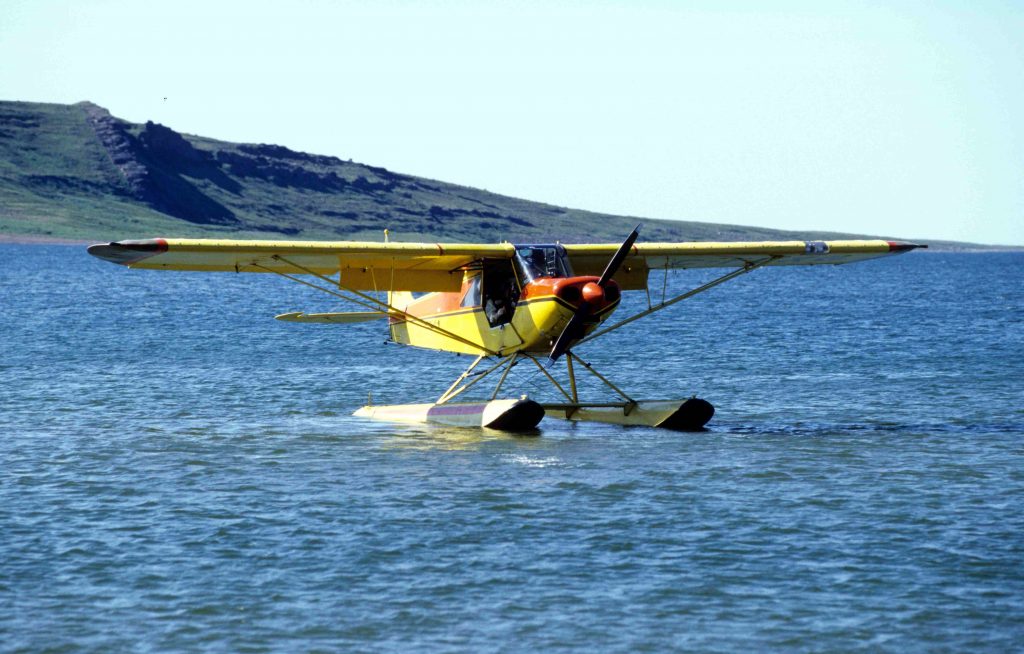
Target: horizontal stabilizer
341,318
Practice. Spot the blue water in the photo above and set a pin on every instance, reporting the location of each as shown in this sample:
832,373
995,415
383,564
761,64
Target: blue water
181,472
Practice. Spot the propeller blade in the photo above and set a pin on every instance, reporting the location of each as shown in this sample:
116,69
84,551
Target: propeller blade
619,256
574,329
571,332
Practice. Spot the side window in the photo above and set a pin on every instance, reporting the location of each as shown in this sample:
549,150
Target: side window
472,296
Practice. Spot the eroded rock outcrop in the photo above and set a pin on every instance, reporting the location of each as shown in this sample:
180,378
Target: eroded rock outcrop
154,163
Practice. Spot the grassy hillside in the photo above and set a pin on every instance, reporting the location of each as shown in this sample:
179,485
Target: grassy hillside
76,172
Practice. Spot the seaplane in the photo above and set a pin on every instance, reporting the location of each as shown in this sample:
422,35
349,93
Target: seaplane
506,304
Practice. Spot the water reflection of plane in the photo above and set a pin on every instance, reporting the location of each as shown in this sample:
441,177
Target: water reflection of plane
429,436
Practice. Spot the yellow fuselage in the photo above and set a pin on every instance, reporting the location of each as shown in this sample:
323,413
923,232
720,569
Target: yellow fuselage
537,319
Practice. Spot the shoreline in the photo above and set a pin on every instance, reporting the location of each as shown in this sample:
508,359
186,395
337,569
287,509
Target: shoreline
32,239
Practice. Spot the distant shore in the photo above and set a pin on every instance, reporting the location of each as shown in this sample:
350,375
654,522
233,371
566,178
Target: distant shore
29,239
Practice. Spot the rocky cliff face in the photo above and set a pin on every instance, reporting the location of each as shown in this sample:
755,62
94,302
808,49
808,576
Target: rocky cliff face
164,170
155,164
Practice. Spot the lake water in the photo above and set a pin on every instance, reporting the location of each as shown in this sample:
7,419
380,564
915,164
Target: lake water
181,472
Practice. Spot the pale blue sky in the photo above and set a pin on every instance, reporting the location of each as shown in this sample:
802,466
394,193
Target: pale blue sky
906,120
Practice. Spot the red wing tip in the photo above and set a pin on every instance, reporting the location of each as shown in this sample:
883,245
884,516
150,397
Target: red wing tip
903,246
128,252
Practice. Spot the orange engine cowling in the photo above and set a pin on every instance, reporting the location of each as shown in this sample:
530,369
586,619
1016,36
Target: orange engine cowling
576,291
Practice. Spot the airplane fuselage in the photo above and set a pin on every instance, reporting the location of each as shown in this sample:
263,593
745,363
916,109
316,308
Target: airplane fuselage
502,308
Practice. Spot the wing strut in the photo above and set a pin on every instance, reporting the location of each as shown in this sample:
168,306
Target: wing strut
455,389
667,303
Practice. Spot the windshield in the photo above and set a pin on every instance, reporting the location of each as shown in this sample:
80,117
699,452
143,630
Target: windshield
534,261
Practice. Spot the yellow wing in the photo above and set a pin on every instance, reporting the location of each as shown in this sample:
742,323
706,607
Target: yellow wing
644,257
366,266
424,267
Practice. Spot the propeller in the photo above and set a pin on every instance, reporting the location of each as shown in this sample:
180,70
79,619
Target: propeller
592,292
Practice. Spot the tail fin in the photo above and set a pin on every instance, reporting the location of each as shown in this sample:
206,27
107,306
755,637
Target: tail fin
400,299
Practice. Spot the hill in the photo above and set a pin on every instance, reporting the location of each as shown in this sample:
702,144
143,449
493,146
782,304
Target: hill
77,172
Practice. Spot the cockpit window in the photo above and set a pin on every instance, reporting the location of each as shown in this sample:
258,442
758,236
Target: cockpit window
534,261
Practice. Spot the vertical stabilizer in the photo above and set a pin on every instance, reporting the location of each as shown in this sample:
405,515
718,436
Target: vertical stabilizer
400,299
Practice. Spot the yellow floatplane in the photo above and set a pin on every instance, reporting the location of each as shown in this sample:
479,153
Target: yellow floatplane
506,304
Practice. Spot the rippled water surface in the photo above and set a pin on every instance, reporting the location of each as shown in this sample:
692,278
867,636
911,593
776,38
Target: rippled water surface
181,472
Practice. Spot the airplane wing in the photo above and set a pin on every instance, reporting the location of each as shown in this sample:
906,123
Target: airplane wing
364,266
644,257
425,267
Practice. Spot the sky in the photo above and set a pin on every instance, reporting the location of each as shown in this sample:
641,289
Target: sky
901,119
